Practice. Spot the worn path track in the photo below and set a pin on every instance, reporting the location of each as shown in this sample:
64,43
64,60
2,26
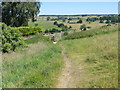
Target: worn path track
64,79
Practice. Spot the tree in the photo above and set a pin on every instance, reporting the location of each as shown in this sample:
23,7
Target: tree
48,18
70,19
78,18
18,13
55,23
63,20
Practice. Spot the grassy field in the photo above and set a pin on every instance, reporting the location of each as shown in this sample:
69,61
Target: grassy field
93,55
96,60
34,67
41,21
44,24
96,31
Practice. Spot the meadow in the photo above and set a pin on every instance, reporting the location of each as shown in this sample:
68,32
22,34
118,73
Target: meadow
92,54
37,65
96,59
45,24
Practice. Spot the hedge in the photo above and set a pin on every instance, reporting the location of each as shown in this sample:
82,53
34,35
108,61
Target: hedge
26,31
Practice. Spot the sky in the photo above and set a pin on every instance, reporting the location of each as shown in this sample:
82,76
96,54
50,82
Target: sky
74,8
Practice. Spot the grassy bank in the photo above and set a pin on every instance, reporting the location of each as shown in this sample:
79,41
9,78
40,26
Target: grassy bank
34,67
96,58
97,31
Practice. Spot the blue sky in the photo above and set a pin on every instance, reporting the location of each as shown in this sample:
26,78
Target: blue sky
73,8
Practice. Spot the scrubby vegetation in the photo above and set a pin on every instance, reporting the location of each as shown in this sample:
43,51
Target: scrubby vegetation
26,31
12,36
11,39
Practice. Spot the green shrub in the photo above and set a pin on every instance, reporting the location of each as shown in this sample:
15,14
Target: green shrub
53,30
80,21
26,31
83,27
55,23
101,21
11,39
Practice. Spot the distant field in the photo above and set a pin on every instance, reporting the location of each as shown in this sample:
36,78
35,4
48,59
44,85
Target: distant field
49,24
44,24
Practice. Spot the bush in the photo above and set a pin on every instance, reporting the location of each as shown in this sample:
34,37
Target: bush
46,31
11,39
53,30
80,21
83,27
101,21
26,31
55,23
70,27
60,25
107,21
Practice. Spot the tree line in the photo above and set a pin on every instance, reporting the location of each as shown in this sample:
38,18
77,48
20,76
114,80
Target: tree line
15,15
106,19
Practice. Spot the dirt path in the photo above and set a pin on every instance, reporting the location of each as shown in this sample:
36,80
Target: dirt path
64,79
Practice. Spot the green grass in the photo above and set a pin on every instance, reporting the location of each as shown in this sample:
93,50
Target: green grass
36,39
44,24
92,32
98,58
39,65
34,67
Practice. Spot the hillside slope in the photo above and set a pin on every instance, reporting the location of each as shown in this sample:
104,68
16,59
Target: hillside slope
94,61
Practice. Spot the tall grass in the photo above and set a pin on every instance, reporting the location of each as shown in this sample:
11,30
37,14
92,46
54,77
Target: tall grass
36,39
97,58
35,67
90,33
